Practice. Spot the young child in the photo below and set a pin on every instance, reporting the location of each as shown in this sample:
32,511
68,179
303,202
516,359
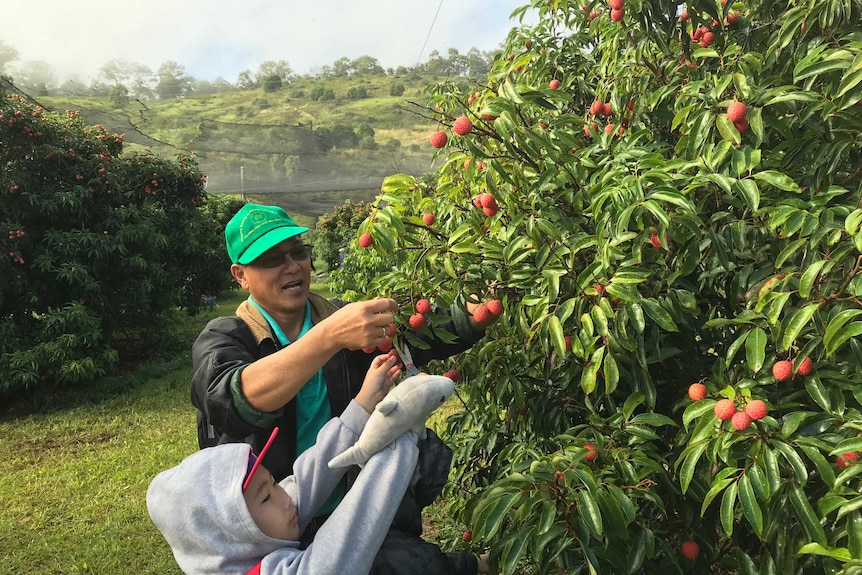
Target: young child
222,512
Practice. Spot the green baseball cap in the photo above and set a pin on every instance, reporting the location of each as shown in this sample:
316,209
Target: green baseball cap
255,229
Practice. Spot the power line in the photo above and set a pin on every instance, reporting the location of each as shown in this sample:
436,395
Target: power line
425,43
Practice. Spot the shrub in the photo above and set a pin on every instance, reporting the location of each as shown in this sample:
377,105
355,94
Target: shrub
98,244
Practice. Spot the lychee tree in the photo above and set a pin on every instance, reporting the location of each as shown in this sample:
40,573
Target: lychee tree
645,238
97,245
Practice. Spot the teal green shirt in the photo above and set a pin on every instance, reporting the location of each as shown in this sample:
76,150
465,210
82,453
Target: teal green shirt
312,404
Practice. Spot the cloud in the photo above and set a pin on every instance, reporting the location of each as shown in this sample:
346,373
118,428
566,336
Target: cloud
214,38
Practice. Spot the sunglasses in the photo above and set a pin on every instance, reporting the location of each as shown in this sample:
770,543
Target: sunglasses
273,259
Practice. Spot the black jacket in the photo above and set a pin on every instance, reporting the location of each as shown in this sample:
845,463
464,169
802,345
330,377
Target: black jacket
228,344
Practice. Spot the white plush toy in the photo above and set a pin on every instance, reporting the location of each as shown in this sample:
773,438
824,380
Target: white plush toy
406,406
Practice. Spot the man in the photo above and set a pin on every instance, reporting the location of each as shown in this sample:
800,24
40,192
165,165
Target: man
293,359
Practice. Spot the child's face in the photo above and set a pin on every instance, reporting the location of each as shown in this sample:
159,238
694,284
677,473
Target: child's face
271,507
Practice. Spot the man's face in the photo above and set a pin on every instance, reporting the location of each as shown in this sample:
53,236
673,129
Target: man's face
279,279
271,507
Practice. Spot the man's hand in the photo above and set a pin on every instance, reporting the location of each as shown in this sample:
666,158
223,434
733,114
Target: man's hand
384,371
361,324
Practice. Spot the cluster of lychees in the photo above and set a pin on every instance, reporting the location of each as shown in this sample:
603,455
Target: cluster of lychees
486,203
484,311
461,126
783,369
725,409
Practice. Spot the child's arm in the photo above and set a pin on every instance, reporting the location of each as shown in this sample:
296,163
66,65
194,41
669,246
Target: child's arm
352,535
313,481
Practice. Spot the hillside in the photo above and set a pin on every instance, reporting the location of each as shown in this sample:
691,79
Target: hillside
301,152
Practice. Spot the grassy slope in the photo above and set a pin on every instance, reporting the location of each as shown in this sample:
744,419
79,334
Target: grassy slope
251,129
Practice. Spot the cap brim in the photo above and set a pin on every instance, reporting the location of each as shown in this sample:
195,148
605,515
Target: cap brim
260,455
269,240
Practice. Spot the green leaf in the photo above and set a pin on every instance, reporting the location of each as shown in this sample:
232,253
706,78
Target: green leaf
851,331
755,349
848,445
749,192
793,459
697,410
727,130
636,553
840,553
777,179
805,514
750,507
589,512
719,483
728,503
797,323
690,463
588,377
808,278
659,315
555,328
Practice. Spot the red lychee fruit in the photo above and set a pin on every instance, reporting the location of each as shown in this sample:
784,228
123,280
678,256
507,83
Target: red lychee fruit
596,107
439,139
488,200
467,536
690,550
707,39
477,201
481,313
756,409
609,129
495,307
683,16
386,345
490,210
365,240
489,117
725,409
617,15
428,218
568,340
371,349
554,84
423,306
462,126
805,367
592,451
696,391
736,111
453,374
698,33
732,17
845,459
655,241
782,370
740,420
606,109
616,4
741,126
417,321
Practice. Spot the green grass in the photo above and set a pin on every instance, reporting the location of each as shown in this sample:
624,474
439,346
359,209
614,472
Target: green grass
74,469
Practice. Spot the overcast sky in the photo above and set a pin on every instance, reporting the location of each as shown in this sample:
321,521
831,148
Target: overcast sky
214,38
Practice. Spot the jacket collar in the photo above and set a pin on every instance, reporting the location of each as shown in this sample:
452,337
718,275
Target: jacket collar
320,308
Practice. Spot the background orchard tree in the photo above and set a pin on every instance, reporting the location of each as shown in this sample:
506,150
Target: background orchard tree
661,195
98,247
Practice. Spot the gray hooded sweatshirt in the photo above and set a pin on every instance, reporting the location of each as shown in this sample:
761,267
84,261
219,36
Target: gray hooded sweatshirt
199,506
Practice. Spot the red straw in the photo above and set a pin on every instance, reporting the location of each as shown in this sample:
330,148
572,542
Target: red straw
259,459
